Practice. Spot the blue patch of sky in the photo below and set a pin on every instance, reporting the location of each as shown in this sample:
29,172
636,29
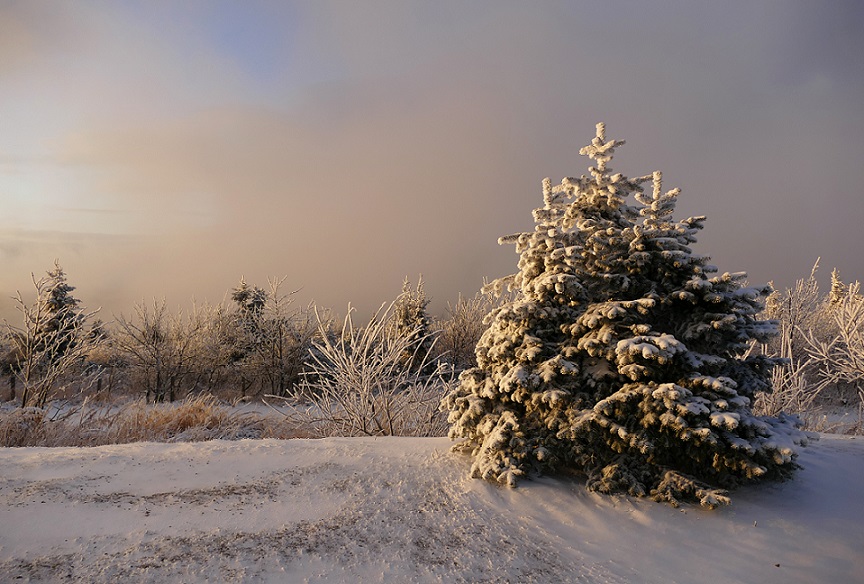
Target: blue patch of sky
261,38
258,39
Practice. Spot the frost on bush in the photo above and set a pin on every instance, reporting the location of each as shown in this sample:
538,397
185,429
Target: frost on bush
359,383
822,342
459,332
840,359
623,355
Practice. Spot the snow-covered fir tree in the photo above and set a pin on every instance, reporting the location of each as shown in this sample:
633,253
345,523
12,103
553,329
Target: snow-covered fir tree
52,341
623,355
250,300
838,288
411,320
57,318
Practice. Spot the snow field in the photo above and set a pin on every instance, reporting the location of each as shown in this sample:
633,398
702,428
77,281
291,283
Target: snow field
401,510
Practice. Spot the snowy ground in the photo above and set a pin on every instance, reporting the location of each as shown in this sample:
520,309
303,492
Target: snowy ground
401,510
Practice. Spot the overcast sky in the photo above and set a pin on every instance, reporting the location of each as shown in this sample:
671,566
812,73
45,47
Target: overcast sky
169,148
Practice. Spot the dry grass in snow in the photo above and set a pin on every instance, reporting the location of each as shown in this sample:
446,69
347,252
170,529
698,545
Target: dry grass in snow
92,424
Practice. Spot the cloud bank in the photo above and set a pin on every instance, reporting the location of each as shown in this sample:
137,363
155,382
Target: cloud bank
164,150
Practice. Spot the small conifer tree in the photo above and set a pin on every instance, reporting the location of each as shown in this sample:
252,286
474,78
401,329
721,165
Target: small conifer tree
52,341
622,355
411,320
250,300
60,314
838,288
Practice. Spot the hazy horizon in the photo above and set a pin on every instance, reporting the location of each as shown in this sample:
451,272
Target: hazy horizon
167,149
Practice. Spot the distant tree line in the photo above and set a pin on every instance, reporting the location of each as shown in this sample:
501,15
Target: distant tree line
257,343
260,343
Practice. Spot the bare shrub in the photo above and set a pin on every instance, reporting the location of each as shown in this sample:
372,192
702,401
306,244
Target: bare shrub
800,310
212,349
795,389
460,331
159,348
795,384
359,384
112,368
840,360
821,341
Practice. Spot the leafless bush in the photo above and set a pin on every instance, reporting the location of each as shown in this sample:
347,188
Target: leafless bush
800,310
159,347
795,388
840,360
358,383
112,368
822,339
459,332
